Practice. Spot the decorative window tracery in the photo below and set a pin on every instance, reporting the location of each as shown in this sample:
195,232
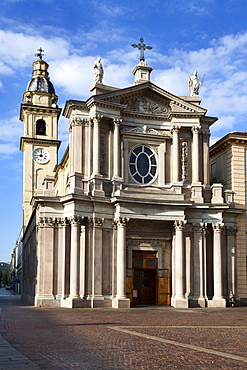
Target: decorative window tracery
143,164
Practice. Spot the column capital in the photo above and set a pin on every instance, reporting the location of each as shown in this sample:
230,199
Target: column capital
76,220
205,134
175,129
195,129
199,227
117,121
46,222
94,222
120,221
96,118
179,225
231,230
218,227
78,121
63,222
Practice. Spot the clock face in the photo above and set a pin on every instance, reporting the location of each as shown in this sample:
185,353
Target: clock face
41,155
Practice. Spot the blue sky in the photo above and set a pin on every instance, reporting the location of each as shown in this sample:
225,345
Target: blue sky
209,36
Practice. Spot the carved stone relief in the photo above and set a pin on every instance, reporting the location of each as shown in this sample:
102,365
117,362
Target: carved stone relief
184,160
144,104
103,153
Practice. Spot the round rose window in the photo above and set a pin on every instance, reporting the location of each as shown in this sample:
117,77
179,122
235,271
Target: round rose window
143,164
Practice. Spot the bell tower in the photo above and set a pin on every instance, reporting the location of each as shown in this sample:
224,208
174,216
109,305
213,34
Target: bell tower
39,114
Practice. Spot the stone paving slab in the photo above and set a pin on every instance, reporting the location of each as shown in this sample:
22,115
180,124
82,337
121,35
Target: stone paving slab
11,358
137,338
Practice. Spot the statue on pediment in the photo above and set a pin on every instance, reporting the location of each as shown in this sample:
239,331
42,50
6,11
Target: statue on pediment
98,71
194,84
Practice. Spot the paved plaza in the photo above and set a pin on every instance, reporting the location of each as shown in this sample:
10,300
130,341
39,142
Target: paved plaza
137,338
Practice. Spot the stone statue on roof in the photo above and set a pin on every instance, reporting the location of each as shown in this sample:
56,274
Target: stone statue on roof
194,84
98,71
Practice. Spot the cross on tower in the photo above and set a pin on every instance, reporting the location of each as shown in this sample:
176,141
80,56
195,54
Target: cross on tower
40,53
141,46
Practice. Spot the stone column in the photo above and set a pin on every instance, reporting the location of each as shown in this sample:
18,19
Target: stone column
120,300
206,166
231,259
40,260
96,181
218,300
178,299
82,261
175,154
96,145
199,295
116,148
195,154
77,130
74,257
65,267
89,148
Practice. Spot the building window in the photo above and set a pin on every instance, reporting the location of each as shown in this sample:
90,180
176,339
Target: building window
40,127
143,164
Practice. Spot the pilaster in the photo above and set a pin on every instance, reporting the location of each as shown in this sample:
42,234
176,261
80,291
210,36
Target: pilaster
196,188
96,180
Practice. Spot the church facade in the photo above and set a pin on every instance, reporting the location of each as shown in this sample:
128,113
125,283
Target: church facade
128,216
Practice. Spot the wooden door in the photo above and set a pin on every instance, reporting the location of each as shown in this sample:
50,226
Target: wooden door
144,287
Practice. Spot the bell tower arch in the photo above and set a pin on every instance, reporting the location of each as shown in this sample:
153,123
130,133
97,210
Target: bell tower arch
39,113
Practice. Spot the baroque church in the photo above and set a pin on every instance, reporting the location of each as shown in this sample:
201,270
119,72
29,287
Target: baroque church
129,215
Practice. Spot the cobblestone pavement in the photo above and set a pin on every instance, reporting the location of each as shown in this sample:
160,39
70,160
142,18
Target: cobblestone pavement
137,338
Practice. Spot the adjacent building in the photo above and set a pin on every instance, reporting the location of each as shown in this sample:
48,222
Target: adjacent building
129,215
229,167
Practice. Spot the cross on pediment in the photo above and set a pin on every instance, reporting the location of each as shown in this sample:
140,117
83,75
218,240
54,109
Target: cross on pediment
141,46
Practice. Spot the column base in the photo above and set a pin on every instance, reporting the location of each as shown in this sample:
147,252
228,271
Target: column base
217,302
120,302
198,302
46,302
72,303
97,302
178,302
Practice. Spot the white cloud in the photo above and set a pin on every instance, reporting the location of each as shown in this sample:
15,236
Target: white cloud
8,149
11,130
23,45
109,8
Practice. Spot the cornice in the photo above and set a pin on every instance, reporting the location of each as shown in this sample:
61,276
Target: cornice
93,101
32,140
39,109
71,105
235,138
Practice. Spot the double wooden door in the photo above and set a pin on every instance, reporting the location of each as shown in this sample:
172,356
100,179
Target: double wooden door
146,284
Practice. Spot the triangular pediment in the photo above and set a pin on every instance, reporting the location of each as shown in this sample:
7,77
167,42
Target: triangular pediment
149,99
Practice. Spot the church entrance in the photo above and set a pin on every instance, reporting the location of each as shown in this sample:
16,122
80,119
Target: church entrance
144,277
